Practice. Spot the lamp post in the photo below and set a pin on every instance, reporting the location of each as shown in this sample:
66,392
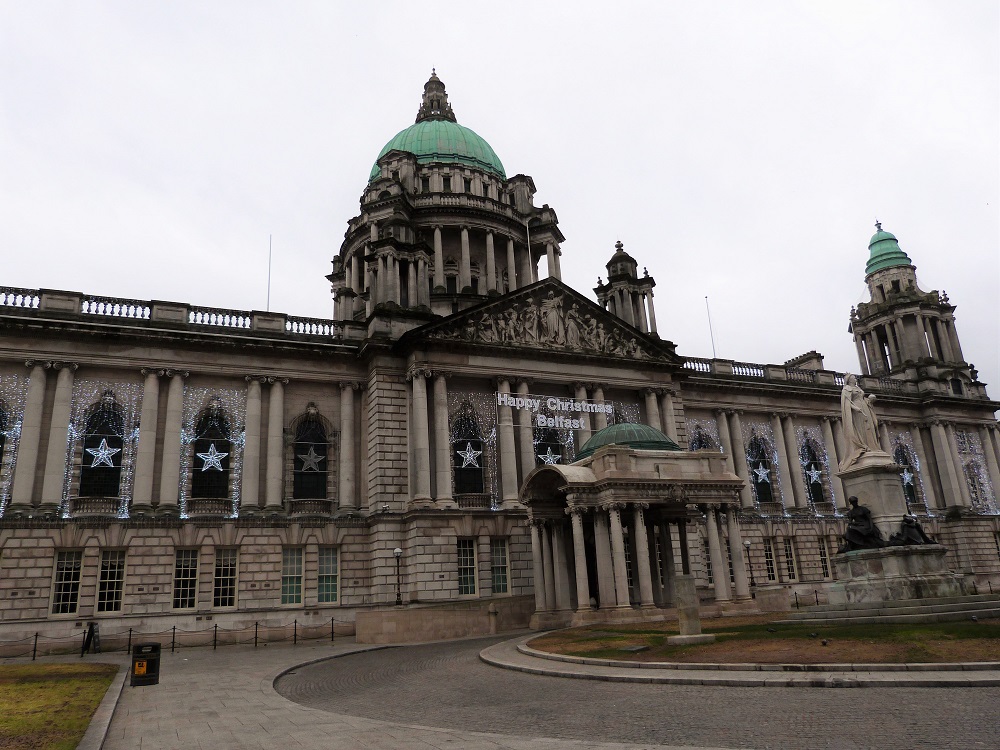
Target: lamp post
753,583
398,553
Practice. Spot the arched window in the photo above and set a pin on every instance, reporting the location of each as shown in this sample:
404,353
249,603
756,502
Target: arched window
812,467
909,478
101,469
212,453
467,452
701,440
310,457
548,446
759,461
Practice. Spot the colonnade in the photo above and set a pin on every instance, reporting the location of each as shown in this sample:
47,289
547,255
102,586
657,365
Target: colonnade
630,546
909,337
634,306
25,499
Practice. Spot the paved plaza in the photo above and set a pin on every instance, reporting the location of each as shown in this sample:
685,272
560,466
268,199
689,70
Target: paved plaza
443,696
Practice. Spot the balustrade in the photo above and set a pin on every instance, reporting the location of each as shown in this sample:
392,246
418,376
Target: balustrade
116,307
14,297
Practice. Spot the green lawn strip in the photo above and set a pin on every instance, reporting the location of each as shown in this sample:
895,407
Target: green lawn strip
48,706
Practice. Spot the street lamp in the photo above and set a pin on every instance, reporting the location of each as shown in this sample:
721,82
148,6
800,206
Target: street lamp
398,553
753,583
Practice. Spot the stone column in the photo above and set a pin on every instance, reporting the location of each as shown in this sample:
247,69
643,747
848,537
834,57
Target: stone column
526,434
640,304
170,470
580,559
736,549
421,437
600,418
558,262
550,256
583,434
605,565
963,485
720,570
795,463
839,496
438,260
442,442
560,567
394,279
652,312
652,409
993,469
491,264
641,545
508,449
537,565
550,581
950,476
55,456
142,490
422,283
618,554
511,265
944,336
626,306
666,562
883,437
411,284
274,489
465,268
346,487
27,446
669,418
838,437
862,359
740,459
784,469
926,481
250,496
956,343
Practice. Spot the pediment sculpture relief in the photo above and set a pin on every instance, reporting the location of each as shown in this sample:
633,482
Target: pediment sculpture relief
551,320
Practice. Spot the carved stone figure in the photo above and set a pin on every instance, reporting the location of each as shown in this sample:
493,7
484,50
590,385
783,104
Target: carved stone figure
910,532
862,533
573,323
552,328
860,422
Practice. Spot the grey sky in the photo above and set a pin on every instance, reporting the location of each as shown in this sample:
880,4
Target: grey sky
740,150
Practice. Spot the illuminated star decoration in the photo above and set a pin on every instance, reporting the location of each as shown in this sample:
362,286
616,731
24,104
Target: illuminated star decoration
310,461
907,477
549,457
212,459
102,454
814,475
762,474
469,456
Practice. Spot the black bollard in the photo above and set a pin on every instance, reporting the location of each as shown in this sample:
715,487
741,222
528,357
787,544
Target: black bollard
128,646
215,636
796,600
34,649
332,621
295,632
173,638
255,635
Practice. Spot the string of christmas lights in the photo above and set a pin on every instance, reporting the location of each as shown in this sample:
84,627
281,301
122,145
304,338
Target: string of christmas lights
233,402
13,394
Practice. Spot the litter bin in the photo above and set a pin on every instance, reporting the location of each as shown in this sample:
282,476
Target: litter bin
145,664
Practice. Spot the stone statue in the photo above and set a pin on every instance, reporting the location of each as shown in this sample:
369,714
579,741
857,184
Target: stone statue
860,422
910,532
862,533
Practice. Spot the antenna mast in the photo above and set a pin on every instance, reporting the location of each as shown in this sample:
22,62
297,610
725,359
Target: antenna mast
710,332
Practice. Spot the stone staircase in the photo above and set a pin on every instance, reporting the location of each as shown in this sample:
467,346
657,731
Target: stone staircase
945,609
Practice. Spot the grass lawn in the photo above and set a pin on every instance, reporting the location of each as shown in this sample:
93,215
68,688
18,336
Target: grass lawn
48,706
762,640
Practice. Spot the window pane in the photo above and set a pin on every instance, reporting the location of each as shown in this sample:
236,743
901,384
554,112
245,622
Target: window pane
291,575
185,578
211,468
498,565
112,581
224,588
328,575
466,566
66,587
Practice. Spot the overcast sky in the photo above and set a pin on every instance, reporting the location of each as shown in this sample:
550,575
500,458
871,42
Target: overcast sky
740,151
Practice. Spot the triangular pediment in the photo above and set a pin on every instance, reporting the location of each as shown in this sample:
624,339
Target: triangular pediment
548,316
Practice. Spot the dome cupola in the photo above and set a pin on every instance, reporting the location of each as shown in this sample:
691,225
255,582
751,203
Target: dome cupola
885,252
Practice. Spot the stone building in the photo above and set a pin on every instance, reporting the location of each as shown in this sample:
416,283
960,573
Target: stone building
461,437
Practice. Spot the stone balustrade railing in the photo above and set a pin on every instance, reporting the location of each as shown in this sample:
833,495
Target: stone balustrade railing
14,297
116,307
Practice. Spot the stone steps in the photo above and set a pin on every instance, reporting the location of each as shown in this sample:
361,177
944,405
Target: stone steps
944,609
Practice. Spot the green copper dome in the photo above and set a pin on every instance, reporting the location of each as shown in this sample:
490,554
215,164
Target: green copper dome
640,436
443,142
885,252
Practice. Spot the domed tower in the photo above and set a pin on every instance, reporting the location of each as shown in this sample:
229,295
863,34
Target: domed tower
441,226
626,295
904,332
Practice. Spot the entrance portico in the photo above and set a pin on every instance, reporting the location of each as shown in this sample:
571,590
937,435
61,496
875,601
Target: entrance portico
605,530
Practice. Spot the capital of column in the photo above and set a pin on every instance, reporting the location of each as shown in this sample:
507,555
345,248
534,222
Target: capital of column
271,380
57,365
416,372
439,374
171,373
254,378
524,381
576,510
640,505
614,505
353,385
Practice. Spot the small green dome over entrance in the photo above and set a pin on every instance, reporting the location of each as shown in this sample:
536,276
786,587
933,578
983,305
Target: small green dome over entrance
443,142
639,436
885,252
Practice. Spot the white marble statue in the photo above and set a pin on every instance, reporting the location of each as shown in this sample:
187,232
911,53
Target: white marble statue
860,423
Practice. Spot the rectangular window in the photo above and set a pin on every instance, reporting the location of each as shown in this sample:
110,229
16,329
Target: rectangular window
446,184
769,560
466,566
112,581
486,190
329,571
66,587
824,557
498,565
790,559
708,562
291,575
467,185
425,184
185,578
224,587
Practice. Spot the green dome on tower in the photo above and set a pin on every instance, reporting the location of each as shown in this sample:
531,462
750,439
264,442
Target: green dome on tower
436,137
885,252
639,436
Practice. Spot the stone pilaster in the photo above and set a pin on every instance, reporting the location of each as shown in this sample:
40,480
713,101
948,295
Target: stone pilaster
274,466
250,497
526,433
347,499
641,545
923,470
465,267
720,568
580,559
170,466
142,493
583,434
839,497
508,448
652,409
27,447
442,442
740,459
739,563
491,264
419,424
55,457
600,418
956,457
511,265
794,463
784,470
618,554
605,563
438,261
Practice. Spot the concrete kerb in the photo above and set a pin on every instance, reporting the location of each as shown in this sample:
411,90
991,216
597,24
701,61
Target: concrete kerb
97,730
516,655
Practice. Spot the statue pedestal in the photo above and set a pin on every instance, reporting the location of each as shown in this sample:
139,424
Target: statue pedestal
894,573
875,480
